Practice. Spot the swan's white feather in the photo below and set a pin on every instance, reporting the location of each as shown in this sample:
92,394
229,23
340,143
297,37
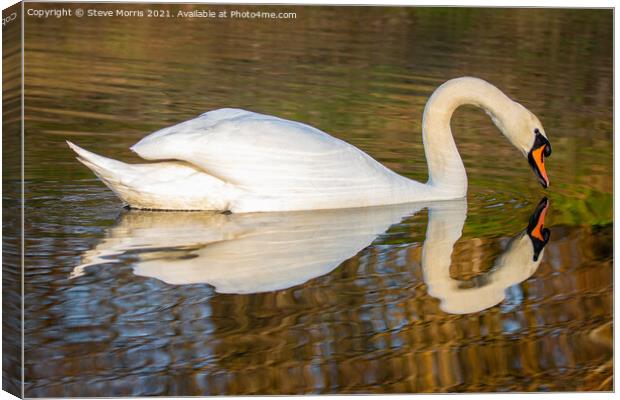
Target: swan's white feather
164,185
285,165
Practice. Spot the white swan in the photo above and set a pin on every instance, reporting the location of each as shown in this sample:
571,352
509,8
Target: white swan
241,161
263,252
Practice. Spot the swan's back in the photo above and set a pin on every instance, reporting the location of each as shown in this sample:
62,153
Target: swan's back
273,157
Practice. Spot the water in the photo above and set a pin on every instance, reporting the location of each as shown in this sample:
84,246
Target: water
359,301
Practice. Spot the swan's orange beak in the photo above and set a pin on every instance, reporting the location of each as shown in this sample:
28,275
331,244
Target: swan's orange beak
536,158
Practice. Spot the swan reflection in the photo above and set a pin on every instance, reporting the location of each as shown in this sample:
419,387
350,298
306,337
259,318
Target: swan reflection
262,252
517,263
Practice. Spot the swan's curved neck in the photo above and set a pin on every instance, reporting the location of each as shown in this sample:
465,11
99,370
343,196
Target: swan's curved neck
445,167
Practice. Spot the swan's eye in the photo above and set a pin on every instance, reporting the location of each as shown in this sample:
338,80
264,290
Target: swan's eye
536,131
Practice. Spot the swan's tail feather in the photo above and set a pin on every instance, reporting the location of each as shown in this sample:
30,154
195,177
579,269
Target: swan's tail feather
99,162
166,185
115,174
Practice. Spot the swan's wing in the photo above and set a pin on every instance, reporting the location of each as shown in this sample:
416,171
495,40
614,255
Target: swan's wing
266,154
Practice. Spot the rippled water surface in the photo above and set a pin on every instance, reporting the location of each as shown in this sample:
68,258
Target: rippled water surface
378,300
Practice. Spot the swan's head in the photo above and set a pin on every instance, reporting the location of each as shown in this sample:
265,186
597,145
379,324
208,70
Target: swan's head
527,134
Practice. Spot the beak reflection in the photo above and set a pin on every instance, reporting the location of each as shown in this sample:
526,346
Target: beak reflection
536,230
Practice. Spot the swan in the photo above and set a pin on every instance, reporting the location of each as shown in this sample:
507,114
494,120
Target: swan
241,161
264,252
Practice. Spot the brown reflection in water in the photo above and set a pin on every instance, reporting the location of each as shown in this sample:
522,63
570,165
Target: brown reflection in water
369,326
541,338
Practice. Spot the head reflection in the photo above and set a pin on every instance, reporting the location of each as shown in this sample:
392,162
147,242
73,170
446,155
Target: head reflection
264,252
